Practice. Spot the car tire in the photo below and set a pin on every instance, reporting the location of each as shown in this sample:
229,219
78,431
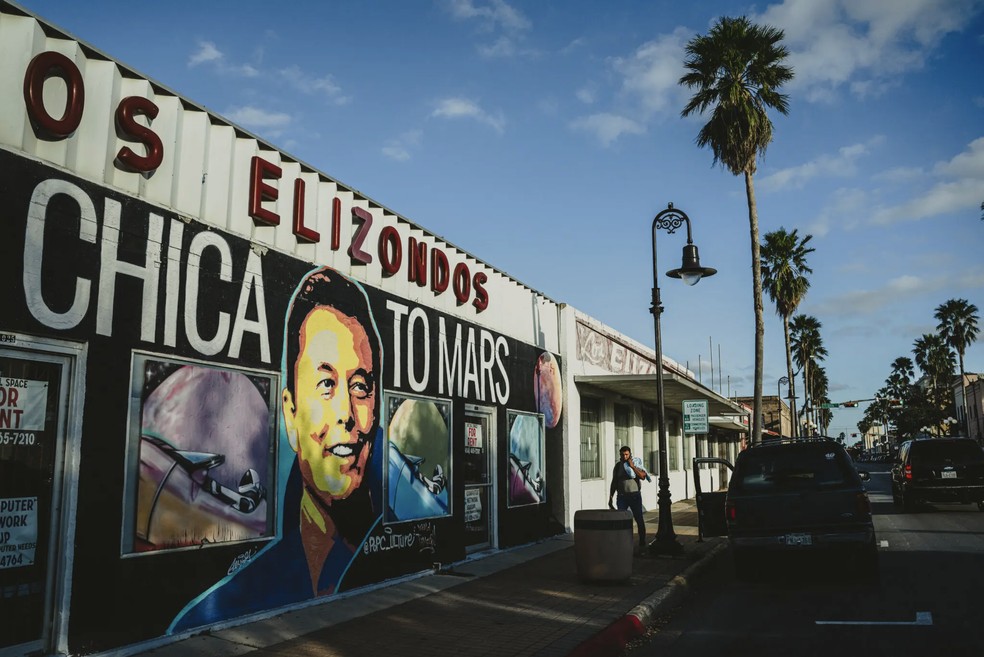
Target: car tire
980,506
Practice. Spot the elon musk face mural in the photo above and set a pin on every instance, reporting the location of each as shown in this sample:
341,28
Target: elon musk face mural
330,455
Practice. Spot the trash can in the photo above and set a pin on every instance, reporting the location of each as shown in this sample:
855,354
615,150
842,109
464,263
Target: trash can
603,543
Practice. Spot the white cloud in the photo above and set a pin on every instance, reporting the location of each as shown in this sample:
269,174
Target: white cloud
842,164
960,190
868,302
862,45
311,85
461,108
841,212
399,149
495,16
652,72
495,13
258,119
607,127
207,52
586,95
900,175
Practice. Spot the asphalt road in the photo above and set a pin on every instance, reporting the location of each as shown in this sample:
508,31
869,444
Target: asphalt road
929,600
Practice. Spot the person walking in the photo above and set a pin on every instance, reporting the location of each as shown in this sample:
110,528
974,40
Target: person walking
627,477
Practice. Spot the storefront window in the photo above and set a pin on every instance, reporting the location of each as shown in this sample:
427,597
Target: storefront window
672,448
622,415
590,438
650,440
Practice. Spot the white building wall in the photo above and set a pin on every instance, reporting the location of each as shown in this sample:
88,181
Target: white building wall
594,493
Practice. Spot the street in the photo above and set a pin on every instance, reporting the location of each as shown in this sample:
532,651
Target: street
928,600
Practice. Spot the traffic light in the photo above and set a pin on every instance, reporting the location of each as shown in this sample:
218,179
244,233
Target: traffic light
849,404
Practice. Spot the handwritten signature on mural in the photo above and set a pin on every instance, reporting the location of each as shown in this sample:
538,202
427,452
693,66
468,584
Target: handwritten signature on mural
421,534
241,560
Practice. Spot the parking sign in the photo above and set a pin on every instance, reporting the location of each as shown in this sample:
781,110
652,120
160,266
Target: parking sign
695,416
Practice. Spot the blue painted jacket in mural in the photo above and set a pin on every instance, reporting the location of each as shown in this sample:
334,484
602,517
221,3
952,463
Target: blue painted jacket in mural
279,576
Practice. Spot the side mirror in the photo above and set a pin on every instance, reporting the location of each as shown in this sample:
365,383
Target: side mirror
865,476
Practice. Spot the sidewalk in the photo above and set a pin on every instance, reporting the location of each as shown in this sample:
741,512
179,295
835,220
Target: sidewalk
524,601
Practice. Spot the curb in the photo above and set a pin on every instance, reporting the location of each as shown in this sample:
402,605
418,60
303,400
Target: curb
612,640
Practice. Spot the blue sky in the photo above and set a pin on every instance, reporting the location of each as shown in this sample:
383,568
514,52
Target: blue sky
544,136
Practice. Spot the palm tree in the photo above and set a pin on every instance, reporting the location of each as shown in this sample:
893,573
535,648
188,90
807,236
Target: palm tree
784,271
958,326
808,349
737,70
934,358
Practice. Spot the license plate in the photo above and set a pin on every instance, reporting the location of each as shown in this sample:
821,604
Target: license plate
949,474
798,539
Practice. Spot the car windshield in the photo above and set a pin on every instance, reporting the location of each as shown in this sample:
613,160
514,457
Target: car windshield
960,450
791,468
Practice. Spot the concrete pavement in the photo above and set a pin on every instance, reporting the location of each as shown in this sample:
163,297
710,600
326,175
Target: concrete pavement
524,601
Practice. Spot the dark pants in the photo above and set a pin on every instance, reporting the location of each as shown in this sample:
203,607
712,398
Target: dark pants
633,502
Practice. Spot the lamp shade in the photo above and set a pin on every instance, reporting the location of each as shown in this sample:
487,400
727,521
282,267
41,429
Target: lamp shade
691,271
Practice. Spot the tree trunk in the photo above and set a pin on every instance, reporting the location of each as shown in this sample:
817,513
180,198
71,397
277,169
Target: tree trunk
963,394
756,424
792,381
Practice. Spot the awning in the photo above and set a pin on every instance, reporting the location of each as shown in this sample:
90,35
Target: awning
676,389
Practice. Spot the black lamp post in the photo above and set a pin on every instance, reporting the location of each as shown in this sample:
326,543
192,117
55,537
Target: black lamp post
690,272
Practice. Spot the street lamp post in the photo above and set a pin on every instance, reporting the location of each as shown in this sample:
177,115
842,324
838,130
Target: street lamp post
782,380
690,272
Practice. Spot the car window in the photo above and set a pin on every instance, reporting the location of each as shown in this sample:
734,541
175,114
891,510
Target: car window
791,469
963,450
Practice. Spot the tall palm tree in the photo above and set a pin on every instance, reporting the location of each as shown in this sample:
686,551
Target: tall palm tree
934,358
820,388
784,271
808,350
958,326
736,71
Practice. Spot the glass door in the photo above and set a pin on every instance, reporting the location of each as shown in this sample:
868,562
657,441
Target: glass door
33,406
479,478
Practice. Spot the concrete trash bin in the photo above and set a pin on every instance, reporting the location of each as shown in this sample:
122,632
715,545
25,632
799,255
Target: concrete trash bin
603,545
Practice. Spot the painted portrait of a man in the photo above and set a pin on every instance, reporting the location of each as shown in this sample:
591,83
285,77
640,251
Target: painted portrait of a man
330,455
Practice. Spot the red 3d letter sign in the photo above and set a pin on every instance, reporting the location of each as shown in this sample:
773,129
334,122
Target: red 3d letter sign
49,65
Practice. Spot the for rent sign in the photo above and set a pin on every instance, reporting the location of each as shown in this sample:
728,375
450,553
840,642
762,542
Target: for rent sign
22,404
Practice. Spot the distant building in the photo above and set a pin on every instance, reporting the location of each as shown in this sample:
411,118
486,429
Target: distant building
776,420
970,404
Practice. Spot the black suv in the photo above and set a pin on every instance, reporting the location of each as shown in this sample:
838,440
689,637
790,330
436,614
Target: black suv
798,496
938,470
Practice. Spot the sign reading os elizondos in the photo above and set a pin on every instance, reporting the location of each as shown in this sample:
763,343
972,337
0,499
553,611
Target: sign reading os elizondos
423,266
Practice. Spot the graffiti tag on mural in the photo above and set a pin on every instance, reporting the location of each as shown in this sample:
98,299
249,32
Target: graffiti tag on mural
390,540
241,560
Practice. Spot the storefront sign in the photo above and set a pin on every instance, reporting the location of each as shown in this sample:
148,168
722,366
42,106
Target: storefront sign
22,404
18,531
473,438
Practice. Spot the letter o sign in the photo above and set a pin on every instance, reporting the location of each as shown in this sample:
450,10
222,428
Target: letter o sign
47,65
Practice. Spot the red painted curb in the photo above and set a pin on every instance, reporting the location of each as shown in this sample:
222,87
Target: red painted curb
612,640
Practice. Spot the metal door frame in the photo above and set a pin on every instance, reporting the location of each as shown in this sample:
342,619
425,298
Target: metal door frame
489,414
64,486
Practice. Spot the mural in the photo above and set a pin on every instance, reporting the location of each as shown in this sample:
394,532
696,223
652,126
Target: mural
419,451
332,371
526,459
204,448
549,388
